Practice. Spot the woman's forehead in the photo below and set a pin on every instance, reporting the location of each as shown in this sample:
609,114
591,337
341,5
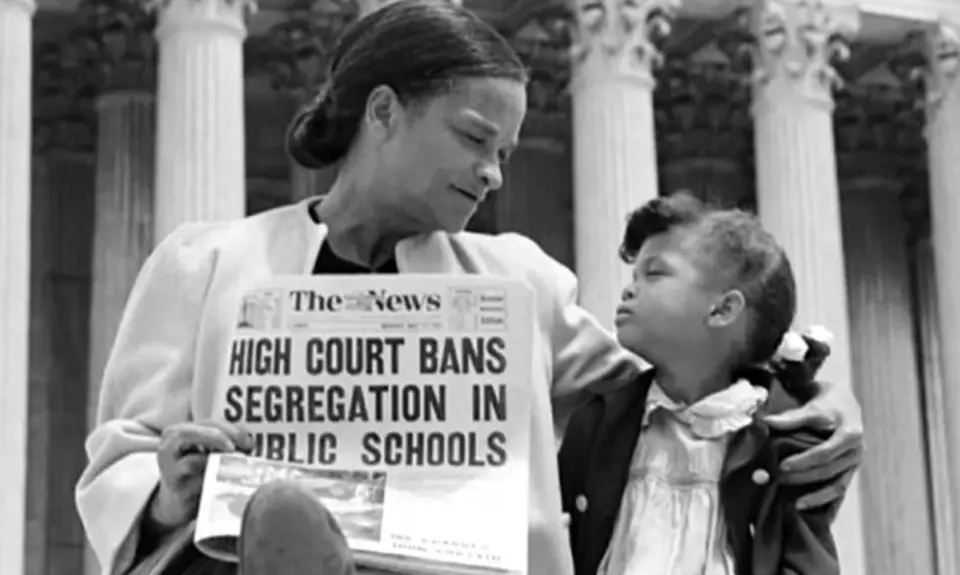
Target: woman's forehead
498,101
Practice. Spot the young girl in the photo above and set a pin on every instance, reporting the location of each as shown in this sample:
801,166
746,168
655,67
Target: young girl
676,474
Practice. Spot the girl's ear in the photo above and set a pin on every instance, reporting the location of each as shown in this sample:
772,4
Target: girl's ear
727,308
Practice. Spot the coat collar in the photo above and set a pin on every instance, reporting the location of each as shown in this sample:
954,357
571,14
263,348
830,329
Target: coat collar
428,253
622,421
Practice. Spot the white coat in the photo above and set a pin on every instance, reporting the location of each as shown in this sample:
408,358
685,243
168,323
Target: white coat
165,363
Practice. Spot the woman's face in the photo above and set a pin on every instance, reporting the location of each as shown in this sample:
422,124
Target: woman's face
445,155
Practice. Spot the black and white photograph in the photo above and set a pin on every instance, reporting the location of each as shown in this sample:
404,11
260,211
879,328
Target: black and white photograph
735,223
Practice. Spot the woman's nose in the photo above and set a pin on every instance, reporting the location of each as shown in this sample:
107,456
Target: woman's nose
628,293
491,175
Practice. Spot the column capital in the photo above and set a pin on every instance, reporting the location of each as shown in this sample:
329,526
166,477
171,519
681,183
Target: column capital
879,130
112,46
928,64
702,112
63,101
620,38
795,43
543,39
221,15
295,52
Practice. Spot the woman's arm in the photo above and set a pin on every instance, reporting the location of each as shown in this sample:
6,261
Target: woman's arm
146,387
831,463
587,358
791,541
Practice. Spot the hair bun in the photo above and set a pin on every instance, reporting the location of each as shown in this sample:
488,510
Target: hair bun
315,138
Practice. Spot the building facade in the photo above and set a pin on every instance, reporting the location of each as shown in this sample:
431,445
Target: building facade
838,121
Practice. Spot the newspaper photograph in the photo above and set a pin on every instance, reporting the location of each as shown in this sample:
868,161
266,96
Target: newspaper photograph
400,402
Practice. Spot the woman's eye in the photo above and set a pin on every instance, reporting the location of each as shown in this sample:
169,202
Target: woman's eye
474,139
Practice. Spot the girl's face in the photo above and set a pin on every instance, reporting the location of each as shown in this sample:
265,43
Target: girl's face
666,309
445,155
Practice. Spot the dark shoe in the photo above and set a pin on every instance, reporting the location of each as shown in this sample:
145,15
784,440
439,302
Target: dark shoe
288,531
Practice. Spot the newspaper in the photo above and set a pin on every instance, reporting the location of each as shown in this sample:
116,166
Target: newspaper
401,402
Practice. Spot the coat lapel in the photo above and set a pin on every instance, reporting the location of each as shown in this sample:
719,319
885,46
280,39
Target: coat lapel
609,468
435,253
741,489
749,441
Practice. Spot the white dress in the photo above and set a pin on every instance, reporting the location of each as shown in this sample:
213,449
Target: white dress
670,521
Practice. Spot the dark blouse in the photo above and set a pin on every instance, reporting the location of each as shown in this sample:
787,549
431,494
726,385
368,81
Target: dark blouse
330,263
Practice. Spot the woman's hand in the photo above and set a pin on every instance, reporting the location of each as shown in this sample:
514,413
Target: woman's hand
834,409
182,457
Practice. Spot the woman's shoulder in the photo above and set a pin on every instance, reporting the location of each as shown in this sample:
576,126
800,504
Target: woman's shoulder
501,242
199,238
511,249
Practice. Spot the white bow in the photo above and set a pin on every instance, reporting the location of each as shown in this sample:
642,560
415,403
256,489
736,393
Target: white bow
794,348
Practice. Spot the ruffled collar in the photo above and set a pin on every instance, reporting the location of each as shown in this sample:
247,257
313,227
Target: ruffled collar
718,414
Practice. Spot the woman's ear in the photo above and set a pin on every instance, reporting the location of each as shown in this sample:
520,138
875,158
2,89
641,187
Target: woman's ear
383,113
727,308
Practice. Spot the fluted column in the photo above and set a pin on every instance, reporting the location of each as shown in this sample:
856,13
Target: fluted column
943,145
797,195
938,413
16,50
123,234
900,538
201,160
614,144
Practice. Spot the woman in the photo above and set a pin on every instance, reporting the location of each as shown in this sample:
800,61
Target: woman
423,106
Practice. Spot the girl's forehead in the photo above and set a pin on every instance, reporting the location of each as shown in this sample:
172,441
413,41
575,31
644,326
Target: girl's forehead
680,240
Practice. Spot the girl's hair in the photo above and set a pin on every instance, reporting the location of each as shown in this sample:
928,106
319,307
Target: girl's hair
734,241
419,48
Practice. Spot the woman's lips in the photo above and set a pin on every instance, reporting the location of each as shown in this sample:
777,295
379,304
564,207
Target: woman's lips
465,193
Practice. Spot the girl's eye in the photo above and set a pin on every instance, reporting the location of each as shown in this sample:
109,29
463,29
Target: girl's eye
474,139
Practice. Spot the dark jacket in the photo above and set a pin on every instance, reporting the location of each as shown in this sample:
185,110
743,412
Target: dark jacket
767,534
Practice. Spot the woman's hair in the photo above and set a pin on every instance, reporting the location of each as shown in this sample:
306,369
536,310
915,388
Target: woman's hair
419,48
735,242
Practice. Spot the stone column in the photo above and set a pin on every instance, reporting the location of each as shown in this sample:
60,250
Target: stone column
123,234
614,144
938,413
797,195
201,160
894,480
943,145
16,62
